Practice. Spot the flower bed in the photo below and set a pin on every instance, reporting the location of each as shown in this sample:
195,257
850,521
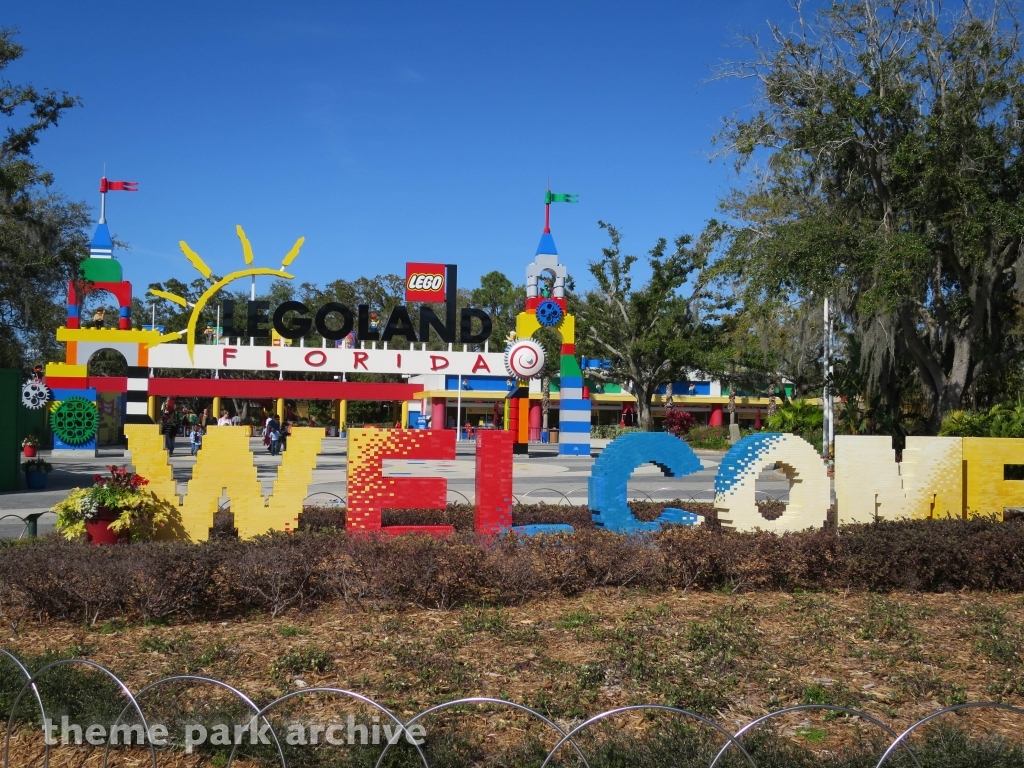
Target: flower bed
115,508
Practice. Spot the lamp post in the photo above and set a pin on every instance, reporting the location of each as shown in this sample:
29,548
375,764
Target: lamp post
828,426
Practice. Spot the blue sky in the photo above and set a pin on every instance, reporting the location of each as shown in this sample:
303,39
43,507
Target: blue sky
387,132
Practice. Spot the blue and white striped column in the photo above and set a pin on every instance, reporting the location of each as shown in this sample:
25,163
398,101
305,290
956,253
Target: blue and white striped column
573,411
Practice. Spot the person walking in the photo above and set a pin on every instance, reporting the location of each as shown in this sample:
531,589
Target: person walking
169,428
274,433
204,419
286,432
196,438
224,421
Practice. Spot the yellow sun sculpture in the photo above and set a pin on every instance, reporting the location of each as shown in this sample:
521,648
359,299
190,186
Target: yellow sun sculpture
205,271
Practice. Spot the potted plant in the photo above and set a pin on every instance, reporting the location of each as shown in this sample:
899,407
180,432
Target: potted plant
36,471
30,445
115,508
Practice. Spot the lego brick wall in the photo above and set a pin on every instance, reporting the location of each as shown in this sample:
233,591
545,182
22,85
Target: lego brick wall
369,492
810,488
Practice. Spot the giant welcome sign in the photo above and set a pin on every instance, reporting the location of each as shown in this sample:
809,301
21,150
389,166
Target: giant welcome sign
939,477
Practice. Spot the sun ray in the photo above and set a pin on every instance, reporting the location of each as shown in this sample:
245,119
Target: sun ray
169,296
197,308
246,245
172,336
290,256
190,332
196,260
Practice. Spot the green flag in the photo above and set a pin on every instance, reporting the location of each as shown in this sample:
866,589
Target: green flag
551,197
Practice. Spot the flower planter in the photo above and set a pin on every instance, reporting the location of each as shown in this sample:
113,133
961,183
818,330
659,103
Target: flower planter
36,481
30,451
97,530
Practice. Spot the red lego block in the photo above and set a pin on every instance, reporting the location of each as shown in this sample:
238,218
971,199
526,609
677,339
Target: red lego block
494,500
369,492
437,531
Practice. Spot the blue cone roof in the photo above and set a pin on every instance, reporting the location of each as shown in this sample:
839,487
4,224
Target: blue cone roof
547,245
101,242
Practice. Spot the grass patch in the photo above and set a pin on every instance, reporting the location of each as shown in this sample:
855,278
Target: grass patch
997,636
887,620
310,659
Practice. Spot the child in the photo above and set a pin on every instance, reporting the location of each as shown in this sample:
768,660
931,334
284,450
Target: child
196,438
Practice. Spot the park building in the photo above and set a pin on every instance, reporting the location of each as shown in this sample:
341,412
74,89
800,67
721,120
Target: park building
447,401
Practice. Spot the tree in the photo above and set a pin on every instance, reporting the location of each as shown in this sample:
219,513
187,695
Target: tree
502,300
775,342
893,183
655,333
42,235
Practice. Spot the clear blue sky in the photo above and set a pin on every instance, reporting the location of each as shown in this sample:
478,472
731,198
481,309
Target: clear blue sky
387,131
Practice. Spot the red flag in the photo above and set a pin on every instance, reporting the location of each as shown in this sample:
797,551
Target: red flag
124,186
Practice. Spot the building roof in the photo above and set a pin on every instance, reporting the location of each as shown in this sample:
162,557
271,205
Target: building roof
102,246
547,245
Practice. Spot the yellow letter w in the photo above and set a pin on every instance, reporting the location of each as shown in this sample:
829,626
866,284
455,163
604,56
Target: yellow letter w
225,466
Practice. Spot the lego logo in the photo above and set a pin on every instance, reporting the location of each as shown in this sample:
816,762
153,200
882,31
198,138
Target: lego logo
424,282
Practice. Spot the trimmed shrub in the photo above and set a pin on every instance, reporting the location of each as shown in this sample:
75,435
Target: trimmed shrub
54,579
678,422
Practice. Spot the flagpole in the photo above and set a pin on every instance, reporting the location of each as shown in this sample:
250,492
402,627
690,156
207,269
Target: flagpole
547,213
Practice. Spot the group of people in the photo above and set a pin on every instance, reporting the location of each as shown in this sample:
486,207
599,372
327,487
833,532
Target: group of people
275,434
186,422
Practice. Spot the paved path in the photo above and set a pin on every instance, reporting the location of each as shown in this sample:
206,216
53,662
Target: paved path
543,476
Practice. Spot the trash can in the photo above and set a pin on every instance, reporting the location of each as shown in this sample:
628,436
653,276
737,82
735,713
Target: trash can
544,436
554,436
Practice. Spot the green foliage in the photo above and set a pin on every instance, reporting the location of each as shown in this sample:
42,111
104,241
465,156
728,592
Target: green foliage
610,431
310,659
709,438
797,416
42,234
867,112
998,421
652,334
36,465
502,300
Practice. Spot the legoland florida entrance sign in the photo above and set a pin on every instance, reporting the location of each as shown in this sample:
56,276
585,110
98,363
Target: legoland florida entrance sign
146,349
939,477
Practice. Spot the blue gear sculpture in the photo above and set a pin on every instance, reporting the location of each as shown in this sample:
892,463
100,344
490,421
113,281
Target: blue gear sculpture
549,314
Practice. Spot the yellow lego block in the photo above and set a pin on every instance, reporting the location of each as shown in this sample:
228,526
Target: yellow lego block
108,335
149,457
224,466
988,490
63,370
290,488
567,329
933,477
868,482
527,325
